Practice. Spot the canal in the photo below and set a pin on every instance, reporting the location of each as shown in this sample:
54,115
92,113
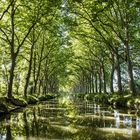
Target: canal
66,118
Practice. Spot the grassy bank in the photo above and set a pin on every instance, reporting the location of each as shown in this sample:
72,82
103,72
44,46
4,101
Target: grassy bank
8,105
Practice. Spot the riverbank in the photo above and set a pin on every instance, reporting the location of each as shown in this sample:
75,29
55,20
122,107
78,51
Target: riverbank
116,100
9,105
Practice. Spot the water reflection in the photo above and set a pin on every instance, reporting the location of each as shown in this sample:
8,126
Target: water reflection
68,120
117,119
25,124
138,124
127,121
8,134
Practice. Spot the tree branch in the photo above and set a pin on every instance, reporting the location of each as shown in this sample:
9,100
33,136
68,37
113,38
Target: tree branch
6,10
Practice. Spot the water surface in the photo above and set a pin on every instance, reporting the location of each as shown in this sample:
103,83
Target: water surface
65,119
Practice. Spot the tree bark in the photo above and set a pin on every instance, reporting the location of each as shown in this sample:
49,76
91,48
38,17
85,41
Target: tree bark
30,66
128,59
104,76
112,74
119,74
96,83
13,57
10,85
39,66
111,79
90,81
93,84
100,81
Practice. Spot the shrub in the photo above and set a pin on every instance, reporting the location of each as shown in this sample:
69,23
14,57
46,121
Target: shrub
121,102
31,99
3,107
42,98
81,95
49,96
46,97
130,103
137,103
17,101
89,97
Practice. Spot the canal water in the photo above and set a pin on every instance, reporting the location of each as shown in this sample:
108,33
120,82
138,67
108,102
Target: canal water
68,119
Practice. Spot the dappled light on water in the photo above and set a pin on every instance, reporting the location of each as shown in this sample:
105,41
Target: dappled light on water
64,118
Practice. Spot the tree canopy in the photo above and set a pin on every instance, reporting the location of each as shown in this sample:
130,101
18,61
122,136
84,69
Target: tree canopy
77,45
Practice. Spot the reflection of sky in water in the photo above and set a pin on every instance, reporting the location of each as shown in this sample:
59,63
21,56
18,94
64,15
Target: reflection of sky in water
138,124
2,137
97,109
117,119
127,121
117,123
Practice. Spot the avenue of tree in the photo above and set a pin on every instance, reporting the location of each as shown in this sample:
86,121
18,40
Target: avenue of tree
88,46
108,33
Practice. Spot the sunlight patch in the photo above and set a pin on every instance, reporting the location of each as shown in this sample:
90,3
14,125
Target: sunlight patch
125,132
66,128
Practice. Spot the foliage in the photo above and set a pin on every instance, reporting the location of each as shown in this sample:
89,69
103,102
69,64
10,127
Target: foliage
46,97
78,46
31,99
18,102
7,105
3,106
115,99
80,96
106,35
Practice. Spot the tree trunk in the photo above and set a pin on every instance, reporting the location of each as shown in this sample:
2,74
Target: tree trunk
100,82
45,84
119,74
34,66
10,85
111,79
39,66
93,84
85,85
90,81
128,59
39,87
30,68
96,83
88,85
37,77
112,74
13,57
104,76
